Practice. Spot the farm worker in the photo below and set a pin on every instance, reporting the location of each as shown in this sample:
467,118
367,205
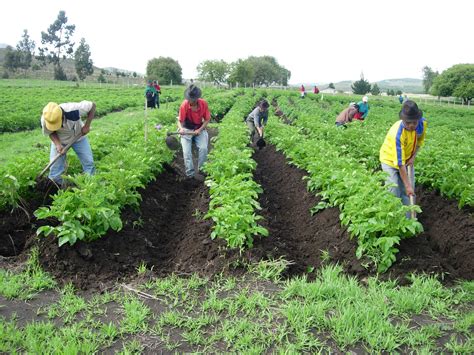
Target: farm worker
303,91
347,115
399,150
257,119
363,109
158,93
62,123
194,116
400,99
316,90
150,94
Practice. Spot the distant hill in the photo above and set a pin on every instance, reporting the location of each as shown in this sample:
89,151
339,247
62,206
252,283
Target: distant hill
3,45
408,85
68,65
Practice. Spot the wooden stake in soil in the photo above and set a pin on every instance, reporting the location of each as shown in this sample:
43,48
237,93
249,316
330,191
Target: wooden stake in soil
146,121
412,197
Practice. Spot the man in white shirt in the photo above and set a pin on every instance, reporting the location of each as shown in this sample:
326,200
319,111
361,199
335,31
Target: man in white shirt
62,123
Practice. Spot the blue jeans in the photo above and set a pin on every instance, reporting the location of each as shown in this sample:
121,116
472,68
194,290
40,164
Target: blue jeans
84,153
201,143
394,178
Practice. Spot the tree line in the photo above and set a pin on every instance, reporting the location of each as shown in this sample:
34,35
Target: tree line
253,71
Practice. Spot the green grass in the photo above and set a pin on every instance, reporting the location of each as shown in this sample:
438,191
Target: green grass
27,283
333,313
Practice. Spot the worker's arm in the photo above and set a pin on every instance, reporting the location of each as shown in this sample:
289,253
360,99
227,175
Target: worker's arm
87,126
366,112
55,139
411,160
406,182
263,121
198,131
207,118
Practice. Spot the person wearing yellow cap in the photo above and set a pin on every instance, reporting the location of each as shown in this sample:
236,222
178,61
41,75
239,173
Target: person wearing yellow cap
63,124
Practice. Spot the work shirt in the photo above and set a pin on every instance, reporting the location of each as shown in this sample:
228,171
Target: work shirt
400,144
152,90
363,108
194,119
347,115
258,117
72,124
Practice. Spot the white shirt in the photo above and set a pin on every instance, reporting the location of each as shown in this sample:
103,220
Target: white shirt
70,128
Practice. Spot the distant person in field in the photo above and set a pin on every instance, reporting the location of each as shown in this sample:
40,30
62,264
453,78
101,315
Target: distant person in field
150,94
257,119
363,109
405,98
302,91
400,99
347,115
158,93
399,150
62,123
316,90
194,116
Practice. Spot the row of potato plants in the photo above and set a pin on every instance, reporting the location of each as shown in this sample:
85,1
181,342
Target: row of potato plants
89,209
372,215
20,107
93,206
445,163
233,192
17,178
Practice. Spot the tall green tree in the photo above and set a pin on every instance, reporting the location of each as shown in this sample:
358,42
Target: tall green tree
82,60
375,89
26,51
58,44
361,87
331,86
22,56
267,71
11,59
428,77
241,73
165,69
214,71
457,80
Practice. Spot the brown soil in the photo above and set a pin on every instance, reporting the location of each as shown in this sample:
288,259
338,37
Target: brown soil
446,247
169,234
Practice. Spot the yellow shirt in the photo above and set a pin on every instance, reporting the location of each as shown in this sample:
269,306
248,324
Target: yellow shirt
400,144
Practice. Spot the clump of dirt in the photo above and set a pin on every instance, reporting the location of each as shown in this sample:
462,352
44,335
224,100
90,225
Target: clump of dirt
17,224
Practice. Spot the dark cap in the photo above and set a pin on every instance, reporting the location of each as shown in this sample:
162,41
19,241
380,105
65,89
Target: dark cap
192,92
410,111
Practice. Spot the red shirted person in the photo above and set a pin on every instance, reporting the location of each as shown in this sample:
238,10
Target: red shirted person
194,116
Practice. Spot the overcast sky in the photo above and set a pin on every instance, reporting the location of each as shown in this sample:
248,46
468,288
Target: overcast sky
318,41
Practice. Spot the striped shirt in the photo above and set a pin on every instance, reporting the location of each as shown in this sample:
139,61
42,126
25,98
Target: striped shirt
400,144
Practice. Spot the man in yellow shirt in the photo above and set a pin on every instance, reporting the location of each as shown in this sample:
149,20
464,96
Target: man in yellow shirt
399,149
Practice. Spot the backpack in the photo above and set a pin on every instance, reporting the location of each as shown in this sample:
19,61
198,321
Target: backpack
149,95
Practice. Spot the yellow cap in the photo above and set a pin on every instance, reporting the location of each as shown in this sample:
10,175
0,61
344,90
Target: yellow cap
52,115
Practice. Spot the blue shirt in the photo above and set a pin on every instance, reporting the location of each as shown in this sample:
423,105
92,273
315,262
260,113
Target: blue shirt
363,108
